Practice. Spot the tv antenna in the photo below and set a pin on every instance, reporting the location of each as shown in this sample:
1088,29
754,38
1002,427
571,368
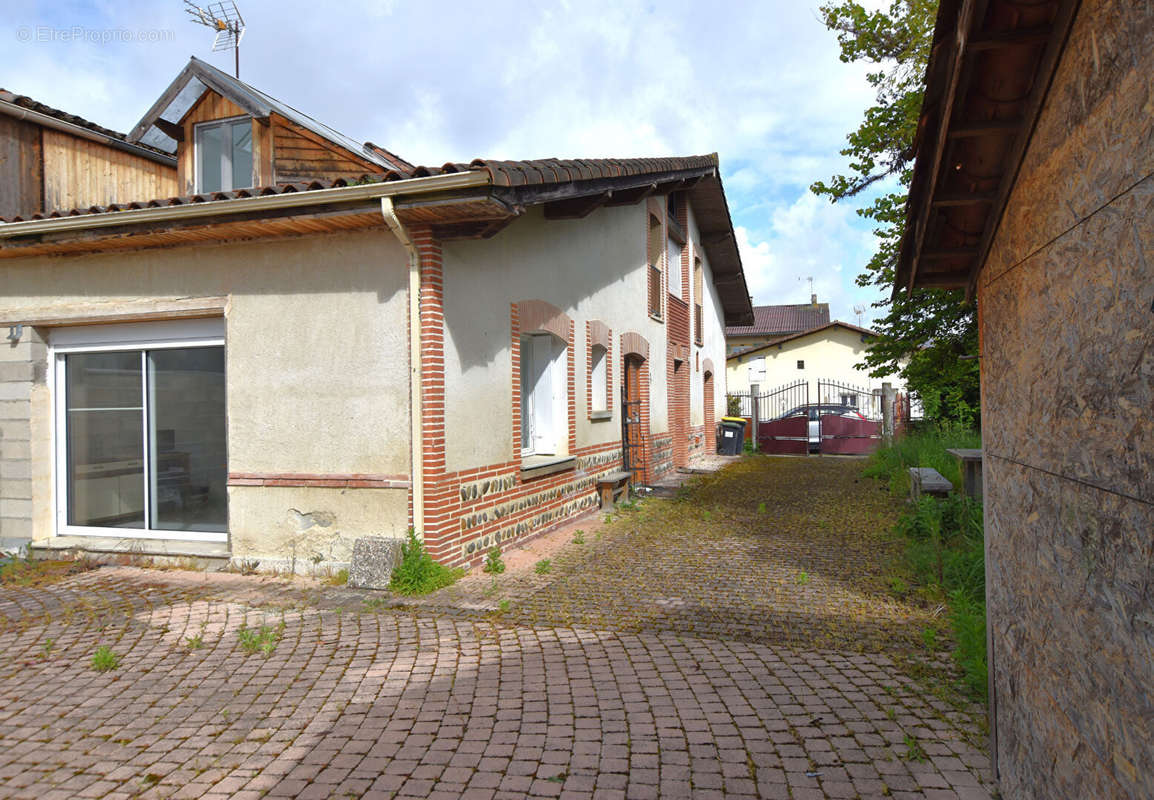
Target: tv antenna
859,310
225,19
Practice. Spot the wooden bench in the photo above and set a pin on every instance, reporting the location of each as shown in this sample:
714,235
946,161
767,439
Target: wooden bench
612,486
926,480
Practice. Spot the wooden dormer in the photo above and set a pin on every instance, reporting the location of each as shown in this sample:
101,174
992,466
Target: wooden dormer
206,113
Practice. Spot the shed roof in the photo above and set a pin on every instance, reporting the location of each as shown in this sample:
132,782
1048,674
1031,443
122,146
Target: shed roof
989,71
782,320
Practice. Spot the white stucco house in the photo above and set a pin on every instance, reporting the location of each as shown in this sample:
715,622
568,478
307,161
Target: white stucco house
824,357
316,340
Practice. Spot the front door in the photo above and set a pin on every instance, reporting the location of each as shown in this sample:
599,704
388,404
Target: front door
631,433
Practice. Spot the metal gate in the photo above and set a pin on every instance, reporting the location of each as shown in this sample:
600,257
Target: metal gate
849,418
783,419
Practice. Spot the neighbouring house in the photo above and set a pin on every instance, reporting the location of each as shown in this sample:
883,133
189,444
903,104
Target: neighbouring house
316,341
828,354
774,322
50,159
1033,190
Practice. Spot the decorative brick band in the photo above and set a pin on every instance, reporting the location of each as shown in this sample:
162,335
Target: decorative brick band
537,315
356,480
599,334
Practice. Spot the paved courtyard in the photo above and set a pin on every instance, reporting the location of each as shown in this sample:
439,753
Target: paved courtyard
659,658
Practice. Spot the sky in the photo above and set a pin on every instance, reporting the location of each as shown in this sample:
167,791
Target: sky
759,82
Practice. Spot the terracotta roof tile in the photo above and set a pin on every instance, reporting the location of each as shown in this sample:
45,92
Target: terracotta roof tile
783,320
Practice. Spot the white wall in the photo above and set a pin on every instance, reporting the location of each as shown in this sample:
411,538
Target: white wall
829,354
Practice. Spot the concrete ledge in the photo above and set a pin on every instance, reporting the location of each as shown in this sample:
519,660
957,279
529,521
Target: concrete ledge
540,466
214,555
925,480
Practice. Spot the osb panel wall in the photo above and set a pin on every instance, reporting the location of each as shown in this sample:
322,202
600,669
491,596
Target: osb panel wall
1067,307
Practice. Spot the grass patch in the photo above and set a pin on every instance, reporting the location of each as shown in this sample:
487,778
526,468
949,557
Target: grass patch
944,545
104,660
418,573
338,578
27,571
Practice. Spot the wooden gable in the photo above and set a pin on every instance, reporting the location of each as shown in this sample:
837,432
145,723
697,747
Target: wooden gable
283,152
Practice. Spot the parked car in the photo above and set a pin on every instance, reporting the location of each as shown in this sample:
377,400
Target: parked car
817,410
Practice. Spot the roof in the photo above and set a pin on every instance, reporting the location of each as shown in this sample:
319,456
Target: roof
783,320
566,189
198,77
801,335
989,71
15,104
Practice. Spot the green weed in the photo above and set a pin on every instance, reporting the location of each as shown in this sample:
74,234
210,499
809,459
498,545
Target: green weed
802,578
493,563
543,567
761,507
104,660
194,642
418,573
260,640
504,606
579,537
914,751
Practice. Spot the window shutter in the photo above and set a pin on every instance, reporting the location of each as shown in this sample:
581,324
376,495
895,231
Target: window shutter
544,397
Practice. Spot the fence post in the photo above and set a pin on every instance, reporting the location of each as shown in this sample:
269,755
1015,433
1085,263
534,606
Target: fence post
755,412
887,412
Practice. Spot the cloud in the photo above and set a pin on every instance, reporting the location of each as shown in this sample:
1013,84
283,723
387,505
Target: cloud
757,82
809,238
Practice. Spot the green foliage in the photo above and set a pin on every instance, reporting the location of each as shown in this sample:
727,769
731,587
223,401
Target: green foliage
945,548
579,537
732,406
194,642
493,563
418,573
921,334
260,640
761,508
339,578
504,606
543,567
802,578
914,751
104,660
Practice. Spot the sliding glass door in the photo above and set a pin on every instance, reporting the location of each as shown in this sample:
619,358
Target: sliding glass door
141,438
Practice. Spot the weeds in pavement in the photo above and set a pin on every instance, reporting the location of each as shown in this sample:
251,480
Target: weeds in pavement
802,578
579,537
914,751
46,648
543,567
504,606
260,640
493,563
338,578
418,573
104,660
194,642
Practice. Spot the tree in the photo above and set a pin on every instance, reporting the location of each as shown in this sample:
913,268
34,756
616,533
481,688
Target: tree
922,335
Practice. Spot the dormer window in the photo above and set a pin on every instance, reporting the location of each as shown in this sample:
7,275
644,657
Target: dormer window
224,155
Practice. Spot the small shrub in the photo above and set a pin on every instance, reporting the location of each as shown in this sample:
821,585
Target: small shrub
104,660
543,566
493,563
418,573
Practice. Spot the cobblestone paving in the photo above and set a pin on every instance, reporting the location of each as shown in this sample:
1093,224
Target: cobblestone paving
360,700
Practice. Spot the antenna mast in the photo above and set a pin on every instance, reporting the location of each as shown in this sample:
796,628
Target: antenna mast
225,19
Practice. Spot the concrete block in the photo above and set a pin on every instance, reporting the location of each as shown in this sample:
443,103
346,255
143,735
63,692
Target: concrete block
16,430
15,508
17,371
17,390
15,528
15,489
15,469
374,559
15,448
15,409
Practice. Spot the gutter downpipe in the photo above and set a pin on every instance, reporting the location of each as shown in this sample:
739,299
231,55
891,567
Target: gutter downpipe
416,438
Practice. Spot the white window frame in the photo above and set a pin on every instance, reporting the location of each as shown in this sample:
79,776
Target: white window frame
142,336
599,378
557,369
226,157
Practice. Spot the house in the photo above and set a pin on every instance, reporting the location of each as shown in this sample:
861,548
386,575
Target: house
50,159
774,322
318,341
828,354
1033,191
